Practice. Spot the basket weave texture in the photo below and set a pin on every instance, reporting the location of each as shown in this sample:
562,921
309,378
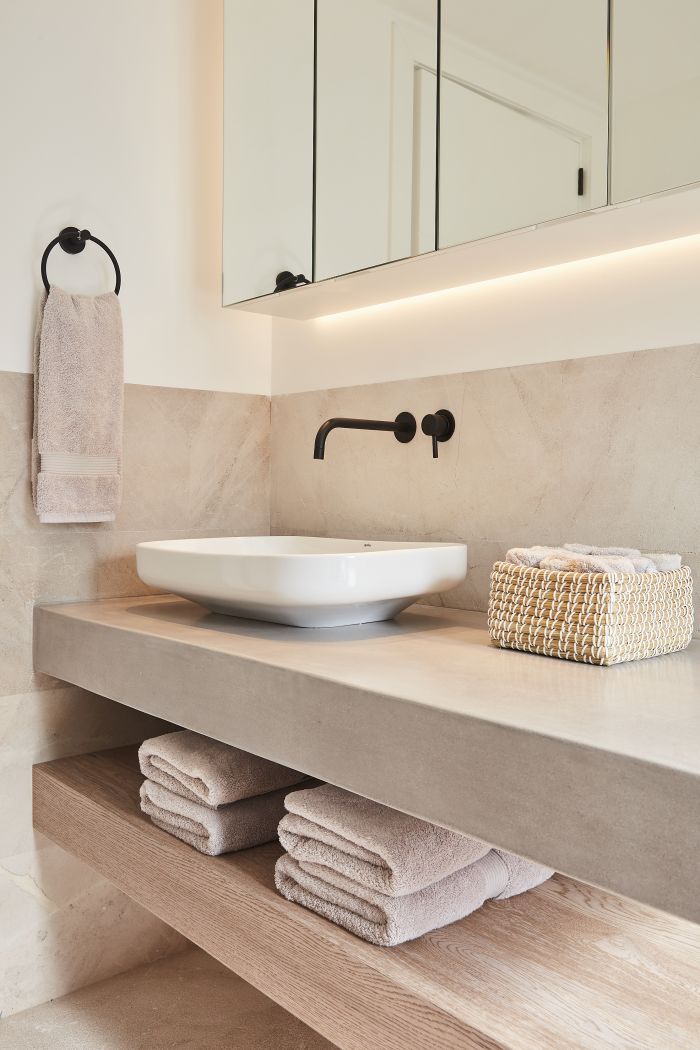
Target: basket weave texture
595,618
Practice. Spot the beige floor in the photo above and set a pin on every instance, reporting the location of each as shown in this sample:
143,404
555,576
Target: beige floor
185,1002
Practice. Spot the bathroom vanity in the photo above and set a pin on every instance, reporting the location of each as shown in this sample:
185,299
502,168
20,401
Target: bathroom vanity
576,766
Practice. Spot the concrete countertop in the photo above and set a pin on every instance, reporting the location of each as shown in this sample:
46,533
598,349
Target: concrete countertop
593,770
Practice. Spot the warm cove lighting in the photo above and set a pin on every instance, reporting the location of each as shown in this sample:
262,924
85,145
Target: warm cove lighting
626,257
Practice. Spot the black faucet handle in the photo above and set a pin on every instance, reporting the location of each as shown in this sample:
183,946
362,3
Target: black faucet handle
440,426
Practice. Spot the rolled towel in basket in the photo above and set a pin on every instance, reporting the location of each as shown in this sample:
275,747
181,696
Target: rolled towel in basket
570,562
640,562
238,825
584,548
208,771
665,562
388,920
581,557
532,556
373,845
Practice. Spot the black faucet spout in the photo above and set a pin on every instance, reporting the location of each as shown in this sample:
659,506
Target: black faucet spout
403,429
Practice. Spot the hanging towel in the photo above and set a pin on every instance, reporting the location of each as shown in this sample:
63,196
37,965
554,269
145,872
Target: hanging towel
389,920
208,771
78,408
373,845
239,825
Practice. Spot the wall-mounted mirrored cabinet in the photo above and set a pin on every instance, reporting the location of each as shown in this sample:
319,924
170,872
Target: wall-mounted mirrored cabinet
375,132
357,134
268,144
523,114
655,96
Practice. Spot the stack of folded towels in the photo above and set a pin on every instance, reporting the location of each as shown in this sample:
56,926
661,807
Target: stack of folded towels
212,796
579,557
386,876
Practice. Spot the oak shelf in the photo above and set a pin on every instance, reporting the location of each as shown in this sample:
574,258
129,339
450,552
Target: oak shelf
565,965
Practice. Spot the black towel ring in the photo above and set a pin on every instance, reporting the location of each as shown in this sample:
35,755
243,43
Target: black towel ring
73,240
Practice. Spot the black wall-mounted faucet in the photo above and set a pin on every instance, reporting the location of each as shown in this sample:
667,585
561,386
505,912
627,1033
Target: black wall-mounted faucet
440,426
403,428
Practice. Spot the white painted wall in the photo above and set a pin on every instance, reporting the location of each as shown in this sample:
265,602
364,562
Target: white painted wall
111,115
630,300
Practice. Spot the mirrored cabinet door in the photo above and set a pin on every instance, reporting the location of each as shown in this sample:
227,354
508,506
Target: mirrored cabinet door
268,144
655,96
375,132
523,114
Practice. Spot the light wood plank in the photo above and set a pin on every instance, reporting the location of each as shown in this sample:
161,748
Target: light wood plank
564,966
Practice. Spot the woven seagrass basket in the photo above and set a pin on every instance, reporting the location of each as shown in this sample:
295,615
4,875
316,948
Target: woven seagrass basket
595,618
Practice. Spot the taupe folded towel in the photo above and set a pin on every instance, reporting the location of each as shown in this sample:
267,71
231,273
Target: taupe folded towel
208,771
78,408
389,920
239,825
373,845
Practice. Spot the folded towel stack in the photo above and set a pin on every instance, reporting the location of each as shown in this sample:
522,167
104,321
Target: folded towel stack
386,876
579,557
212,796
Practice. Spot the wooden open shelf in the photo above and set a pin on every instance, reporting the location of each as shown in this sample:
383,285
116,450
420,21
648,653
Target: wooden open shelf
564,966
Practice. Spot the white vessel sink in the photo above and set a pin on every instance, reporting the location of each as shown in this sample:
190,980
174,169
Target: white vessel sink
302,580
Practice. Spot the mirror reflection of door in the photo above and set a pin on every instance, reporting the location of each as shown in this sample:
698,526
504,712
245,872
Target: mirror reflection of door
375,132
523,114
655,96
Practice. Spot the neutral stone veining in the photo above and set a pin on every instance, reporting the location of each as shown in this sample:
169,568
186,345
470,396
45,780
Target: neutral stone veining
195,463
599,450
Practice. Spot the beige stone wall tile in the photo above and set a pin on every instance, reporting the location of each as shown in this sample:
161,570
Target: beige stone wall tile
196,463
63,927
600,450
37,727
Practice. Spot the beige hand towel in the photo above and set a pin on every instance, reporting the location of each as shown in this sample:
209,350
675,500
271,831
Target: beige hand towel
239,825
78,408
208,771
375,846
386,920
